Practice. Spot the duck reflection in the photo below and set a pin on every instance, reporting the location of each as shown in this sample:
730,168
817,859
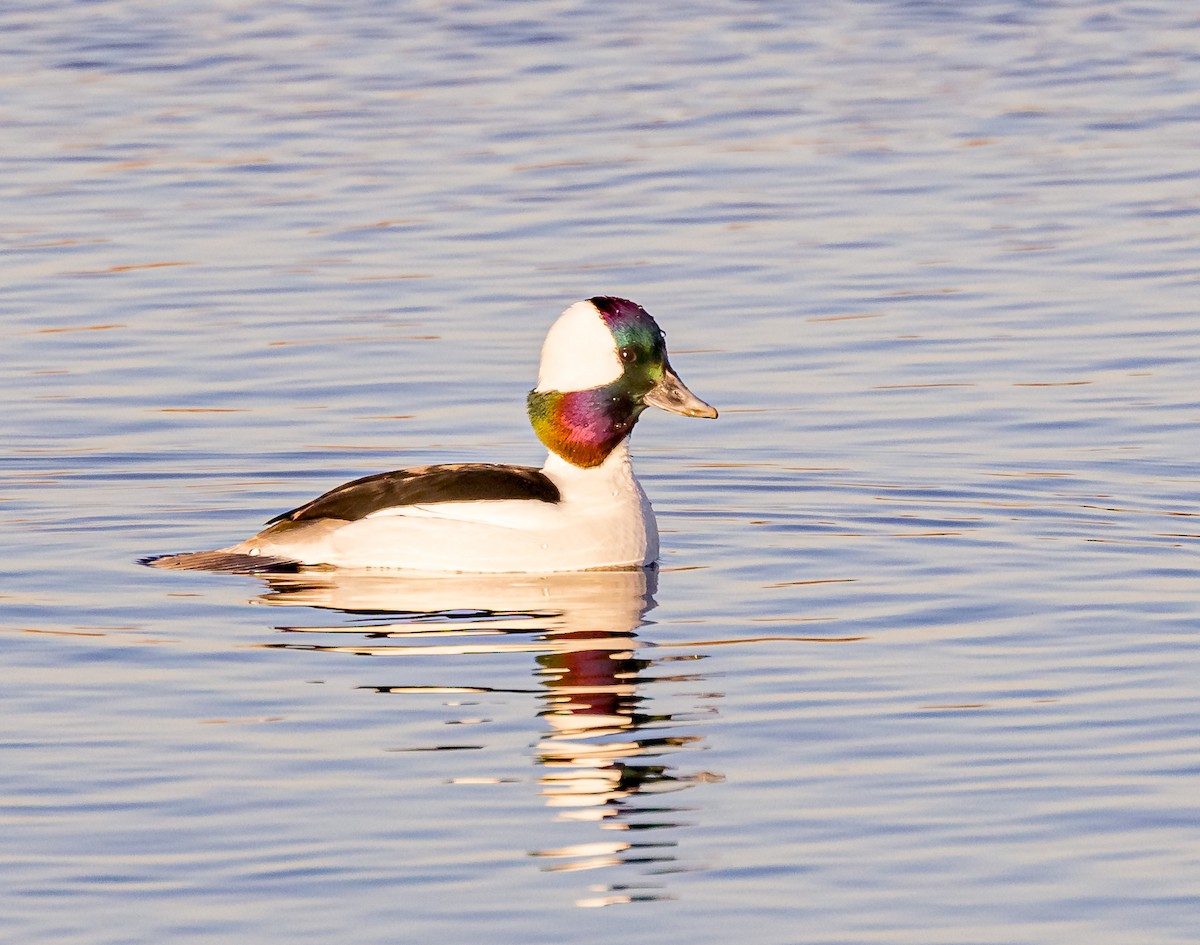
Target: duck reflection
603,749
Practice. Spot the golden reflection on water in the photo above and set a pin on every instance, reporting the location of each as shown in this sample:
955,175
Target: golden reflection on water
603,750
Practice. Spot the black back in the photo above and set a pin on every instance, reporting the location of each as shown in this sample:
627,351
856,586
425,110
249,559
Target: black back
464,482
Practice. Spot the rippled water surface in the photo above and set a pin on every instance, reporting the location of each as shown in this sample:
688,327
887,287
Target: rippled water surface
921,662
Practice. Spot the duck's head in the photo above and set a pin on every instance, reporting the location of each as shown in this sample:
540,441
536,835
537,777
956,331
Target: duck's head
604,361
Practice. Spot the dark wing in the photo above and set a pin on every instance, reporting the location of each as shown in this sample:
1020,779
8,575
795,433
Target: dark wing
465,482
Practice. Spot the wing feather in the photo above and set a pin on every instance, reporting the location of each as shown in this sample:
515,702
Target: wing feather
425,485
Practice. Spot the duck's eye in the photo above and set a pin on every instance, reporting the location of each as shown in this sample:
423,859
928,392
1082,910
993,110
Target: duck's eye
628,354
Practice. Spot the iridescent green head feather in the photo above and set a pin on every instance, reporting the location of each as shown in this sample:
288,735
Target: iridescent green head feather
604,361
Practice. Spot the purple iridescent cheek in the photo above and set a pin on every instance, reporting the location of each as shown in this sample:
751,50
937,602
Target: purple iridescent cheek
581,426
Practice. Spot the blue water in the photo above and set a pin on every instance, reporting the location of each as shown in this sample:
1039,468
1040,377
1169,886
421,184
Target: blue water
920,665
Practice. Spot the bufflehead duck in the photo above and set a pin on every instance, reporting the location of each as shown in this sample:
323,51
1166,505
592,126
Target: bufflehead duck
603,362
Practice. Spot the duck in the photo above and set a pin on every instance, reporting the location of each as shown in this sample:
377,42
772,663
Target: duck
603,362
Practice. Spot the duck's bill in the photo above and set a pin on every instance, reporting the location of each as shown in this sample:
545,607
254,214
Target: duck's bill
672,394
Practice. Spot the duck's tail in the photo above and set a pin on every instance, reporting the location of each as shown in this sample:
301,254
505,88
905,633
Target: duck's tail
234,562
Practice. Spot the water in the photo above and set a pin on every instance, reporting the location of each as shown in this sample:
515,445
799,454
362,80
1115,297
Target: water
920,664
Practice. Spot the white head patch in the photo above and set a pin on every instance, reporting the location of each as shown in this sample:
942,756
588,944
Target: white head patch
579,352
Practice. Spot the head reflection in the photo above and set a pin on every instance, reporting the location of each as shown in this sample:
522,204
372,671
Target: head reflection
603,749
